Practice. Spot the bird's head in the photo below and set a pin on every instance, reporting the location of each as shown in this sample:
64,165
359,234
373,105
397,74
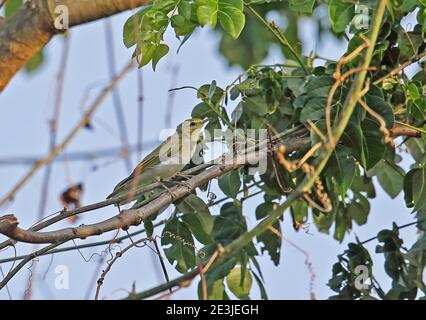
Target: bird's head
193,125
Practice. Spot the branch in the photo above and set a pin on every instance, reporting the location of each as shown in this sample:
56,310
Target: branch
25,261
128,218
182,281
110,263
94,206
31,28
403,129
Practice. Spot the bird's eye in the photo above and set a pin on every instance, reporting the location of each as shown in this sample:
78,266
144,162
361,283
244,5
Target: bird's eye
192,123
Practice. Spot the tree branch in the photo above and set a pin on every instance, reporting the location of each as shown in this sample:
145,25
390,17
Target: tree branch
31,28
84,245
60,147
128,218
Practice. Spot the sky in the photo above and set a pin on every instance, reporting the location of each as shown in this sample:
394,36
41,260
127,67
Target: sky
26,106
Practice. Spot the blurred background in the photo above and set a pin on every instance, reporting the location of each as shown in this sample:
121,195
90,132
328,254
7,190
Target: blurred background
26,107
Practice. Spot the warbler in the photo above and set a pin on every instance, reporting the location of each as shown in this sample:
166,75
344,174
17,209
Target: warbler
165,161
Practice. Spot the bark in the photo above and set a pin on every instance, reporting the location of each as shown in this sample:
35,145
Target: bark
31,28
127,218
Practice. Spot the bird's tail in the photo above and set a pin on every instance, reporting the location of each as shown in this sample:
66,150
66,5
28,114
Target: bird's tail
122,188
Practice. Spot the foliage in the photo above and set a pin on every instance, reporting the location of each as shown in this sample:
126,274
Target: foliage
285,96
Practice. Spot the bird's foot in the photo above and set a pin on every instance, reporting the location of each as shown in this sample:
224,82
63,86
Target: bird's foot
168,190
182,176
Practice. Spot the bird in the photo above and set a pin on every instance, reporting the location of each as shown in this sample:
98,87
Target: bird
165,161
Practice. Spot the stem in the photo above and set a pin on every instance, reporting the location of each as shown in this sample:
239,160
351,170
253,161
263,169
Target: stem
353,96
83,246
279,35
410,126
24,262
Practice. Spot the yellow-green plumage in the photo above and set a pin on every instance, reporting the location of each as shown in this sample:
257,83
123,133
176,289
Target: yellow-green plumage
162,162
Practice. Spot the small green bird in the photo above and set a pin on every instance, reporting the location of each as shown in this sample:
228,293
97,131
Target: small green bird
168,159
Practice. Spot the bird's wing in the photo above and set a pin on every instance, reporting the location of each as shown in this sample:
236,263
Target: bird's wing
148,162
153,157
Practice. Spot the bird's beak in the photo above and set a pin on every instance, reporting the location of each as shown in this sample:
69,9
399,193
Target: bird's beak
205,120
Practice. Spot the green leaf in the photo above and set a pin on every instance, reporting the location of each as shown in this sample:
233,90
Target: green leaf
229,12
271,243
324,222
193,222
407,6
176,234
353,139
239,281
130,36
182,26
35,62
147,54
203,93
212,126
251,47
264,209
230,183
219,272
300,210
409,43
341,168
390,176
416,105
340,14
383,108
359,209
160,52
11,7
313,110
215,291
232,20
230,224
263,294
302,6
319,87
149,227
202,111
373,146
197,215
415,188
207,12
342,224
256,105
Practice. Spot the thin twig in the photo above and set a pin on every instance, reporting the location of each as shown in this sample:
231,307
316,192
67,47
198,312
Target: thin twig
203,281
160,257
52,143
84,246
401,67
75,156
26,260
279,35
139,143
71,135
117,256
7,287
